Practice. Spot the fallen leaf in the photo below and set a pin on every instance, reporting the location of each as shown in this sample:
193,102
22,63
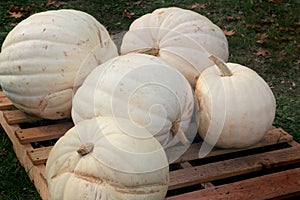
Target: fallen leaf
282,53
286,29
25,9
256,27
297,23
232,18
202,6
262,38
55,3
195,5
267,21
229,33
13,8
262,52
128,14
15,14
275,1
284,39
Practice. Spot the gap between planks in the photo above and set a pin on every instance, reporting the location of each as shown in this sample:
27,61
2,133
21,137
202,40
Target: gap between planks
272,186
233,167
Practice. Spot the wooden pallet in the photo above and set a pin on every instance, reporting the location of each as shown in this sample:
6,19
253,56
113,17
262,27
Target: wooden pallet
268,170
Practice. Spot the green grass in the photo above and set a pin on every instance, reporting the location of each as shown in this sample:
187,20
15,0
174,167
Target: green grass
14,182
251,19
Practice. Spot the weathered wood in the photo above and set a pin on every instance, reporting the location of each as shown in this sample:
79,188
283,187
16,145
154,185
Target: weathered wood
273,136
272,186
233,167
40,155
17,116
33,171
5,103
42,133
275,185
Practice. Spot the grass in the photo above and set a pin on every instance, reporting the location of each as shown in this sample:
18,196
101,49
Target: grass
266,39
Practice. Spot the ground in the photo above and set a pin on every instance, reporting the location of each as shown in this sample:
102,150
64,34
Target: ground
262,34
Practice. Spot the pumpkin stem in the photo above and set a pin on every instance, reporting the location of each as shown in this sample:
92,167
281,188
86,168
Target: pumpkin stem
85,149
149,51
176,129
225,71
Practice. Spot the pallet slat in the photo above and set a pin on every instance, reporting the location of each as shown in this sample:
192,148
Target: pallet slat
272,186
42,133
17,116
204,178
273,136
5,103
233,167
40,155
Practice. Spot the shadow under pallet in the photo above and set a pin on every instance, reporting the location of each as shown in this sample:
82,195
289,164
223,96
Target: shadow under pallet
268,170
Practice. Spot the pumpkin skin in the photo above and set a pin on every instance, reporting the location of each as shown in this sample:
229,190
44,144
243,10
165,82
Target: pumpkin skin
41,58
142,88
182,38
234,111
97,160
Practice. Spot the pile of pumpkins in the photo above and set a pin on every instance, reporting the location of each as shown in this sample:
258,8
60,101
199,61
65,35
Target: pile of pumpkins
128,108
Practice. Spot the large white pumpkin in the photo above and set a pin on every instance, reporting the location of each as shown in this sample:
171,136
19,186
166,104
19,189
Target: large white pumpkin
236,106
41,57
180,37
141,88
98,160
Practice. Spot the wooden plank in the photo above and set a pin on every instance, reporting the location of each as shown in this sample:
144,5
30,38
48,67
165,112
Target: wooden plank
40,182
18,116
185,165
42,133
273,136
2,94
272,186
34,172
233,167
5,103
40,155
294,143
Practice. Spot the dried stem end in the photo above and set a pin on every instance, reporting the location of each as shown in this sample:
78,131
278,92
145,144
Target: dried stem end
149,51
225,71
176,130
85,149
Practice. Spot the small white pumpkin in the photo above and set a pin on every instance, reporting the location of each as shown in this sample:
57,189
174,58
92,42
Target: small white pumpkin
41,57
141,88
96,159
180,37
236,106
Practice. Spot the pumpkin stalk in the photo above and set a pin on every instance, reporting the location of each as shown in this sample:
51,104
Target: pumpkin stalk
149,51
176,130
225,71
85,149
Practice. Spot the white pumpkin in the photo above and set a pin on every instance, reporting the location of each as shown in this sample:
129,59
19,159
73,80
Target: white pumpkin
41,57
180,37
141,88
236,106
98,160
